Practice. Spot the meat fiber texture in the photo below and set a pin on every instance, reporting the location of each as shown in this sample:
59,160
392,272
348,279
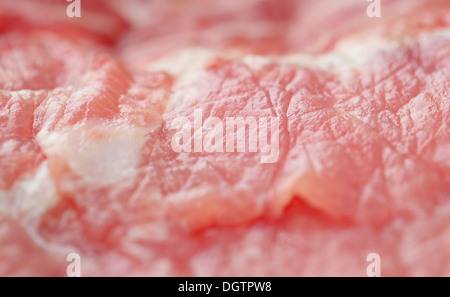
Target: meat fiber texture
87,167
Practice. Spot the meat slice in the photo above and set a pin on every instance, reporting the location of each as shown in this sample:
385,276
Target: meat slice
355,115
88,165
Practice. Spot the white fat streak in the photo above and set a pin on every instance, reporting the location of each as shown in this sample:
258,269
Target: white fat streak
100,155
28,200
26,94
350,53
8,147
30,197
39,193
188,65
184,62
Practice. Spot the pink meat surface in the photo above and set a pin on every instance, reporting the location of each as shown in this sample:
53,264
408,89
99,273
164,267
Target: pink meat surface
87,165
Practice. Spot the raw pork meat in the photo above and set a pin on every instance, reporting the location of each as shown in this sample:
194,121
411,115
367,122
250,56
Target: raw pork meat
87,165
